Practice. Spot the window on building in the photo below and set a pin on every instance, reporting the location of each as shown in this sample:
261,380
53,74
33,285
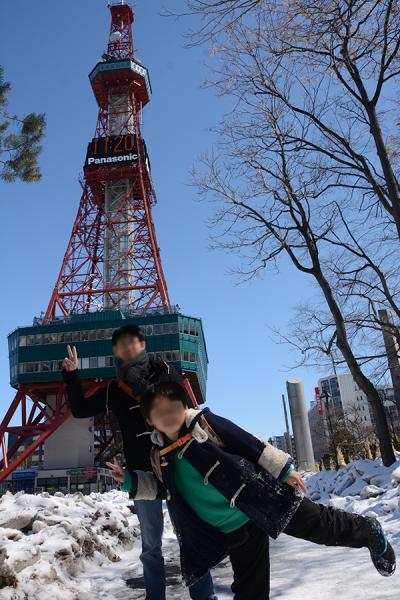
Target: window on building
93,362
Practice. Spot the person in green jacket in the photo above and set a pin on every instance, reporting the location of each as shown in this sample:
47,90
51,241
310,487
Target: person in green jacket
227,491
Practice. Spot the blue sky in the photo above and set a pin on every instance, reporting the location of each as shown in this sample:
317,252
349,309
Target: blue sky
47,49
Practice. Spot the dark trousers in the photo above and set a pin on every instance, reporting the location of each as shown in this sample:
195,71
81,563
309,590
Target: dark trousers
248,546
249,556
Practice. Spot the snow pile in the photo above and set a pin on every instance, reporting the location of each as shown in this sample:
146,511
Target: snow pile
47,541
75,547
365,487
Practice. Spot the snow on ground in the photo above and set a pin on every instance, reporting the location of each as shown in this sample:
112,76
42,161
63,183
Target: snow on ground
75,547
305,571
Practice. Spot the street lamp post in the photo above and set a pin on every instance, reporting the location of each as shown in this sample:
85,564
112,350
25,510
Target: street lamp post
325,394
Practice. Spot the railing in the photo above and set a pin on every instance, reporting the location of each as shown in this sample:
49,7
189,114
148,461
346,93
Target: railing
174,309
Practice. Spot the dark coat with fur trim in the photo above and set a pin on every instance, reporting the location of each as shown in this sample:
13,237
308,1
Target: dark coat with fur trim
237,464
134,431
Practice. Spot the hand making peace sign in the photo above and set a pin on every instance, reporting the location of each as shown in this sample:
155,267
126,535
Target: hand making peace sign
70,363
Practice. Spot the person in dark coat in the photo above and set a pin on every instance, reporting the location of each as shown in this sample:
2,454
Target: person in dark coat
227,491
135,372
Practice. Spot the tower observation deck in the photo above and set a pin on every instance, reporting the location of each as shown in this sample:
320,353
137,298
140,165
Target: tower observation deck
111,274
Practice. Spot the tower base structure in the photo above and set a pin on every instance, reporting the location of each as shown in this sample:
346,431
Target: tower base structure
53,449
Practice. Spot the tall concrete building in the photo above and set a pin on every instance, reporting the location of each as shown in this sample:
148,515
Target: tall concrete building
301,427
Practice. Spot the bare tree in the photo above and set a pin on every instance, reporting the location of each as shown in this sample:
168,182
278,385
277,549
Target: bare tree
347,432
216,15
304,167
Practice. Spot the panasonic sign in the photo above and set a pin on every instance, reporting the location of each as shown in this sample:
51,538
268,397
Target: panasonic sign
91,161
112,150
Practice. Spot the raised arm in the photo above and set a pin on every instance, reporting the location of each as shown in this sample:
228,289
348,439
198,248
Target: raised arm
81,407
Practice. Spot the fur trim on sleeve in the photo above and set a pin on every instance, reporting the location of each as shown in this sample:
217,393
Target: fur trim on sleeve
273,460
147,487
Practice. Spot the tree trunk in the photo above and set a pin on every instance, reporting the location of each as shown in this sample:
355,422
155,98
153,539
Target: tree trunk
382,427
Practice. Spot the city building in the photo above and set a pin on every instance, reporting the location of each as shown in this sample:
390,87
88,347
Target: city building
341,397
34,460
344,397
388,395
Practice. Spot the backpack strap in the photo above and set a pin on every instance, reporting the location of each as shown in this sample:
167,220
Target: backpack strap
156,453
167,367
156,463
212,435
179,442
125,387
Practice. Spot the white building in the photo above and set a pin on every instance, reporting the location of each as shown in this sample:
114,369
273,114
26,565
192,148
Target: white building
344,396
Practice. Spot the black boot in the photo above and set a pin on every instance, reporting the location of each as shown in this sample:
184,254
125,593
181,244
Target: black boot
382,553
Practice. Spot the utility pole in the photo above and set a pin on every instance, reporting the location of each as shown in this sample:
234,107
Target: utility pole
288,439
325,394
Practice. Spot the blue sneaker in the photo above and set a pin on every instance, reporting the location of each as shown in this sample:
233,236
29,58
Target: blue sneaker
382,553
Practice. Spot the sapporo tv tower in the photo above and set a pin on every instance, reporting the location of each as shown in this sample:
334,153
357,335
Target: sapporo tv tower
111,275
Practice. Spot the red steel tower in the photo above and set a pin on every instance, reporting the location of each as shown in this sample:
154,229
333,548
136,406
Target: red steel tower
111,272
113,260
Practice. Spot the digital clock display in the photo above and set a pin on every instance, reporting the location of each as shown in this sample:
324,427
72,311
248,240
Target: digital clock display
113,149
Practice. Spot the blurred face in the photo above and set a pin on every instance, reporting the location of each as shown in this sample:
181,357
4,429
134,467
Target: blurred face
128,348
167,415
